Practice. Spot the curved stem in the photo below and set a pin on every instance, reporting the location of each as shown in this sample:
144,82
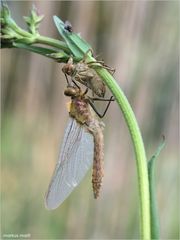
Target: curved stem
141,161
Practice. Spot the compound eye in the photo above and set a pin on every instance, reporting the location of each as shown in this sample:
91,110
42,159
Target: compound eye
70,91
65,69
68,69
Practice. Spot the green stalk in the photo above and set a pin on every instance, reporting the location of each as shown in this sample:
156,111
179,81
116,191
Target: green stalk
141,162
53,43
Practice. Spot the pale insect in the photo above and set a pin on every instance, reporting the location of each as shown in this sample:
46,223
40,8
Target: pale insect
68,26
84,73
82,146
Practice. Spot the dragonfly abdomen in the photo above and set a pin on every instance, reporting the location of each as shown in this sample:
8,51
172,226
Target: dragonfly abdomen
98,168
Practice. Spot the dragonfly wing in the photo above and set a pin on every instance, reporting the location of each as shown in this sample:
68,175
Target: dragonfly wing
76,157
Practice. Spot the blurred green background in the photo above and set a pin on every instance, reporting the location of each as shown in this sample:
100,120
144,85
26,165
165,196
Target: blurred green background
140,40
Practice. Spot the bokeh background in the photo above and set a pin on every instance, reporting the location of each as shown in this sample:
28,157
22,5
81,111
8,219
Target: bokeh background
140,40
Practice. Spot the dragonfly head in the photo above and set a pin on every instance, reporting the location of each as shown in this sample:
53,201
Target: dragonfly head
69,67
72,91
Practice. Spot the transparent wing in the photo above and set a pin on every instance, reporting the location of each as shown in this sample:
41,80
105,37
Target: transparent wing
76,157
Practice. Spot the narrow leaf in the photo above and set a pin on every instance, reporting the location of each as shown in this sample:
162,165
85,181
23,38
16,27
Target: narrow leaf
77,45
153,202
62,57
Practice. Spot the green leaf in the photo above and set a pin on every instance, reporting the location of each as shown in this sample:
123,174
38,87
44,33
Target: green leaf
59,56
25,40
35,49
8,31
78,46
48,52
153,202
33,21
6,16
5,13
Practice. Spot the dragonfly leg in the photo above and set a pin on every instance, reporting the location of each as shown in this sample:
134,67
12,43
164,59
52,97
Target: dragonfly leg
67,80
101,64
75,83
99,99
85,92
103,99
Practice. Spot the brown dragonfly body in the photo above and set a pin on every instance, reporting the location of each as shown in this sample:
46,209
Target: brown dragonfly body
84,73
81,111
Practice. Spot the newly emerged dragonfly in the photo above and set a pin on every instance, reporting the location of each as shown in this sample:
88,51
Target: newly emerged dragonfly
82,147
84,73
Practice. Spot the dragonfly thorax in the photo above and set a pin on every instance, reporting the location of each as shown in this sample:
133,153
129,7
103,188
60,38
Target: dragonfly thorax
80,110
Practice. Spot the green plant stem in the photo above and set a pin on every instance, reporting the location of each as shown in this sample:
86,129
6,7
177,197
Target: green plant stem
53,43
12,25
141,161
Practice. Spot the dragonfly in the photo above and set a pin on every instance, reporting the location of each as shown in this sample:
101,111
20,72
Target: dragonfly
82,147
84,73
